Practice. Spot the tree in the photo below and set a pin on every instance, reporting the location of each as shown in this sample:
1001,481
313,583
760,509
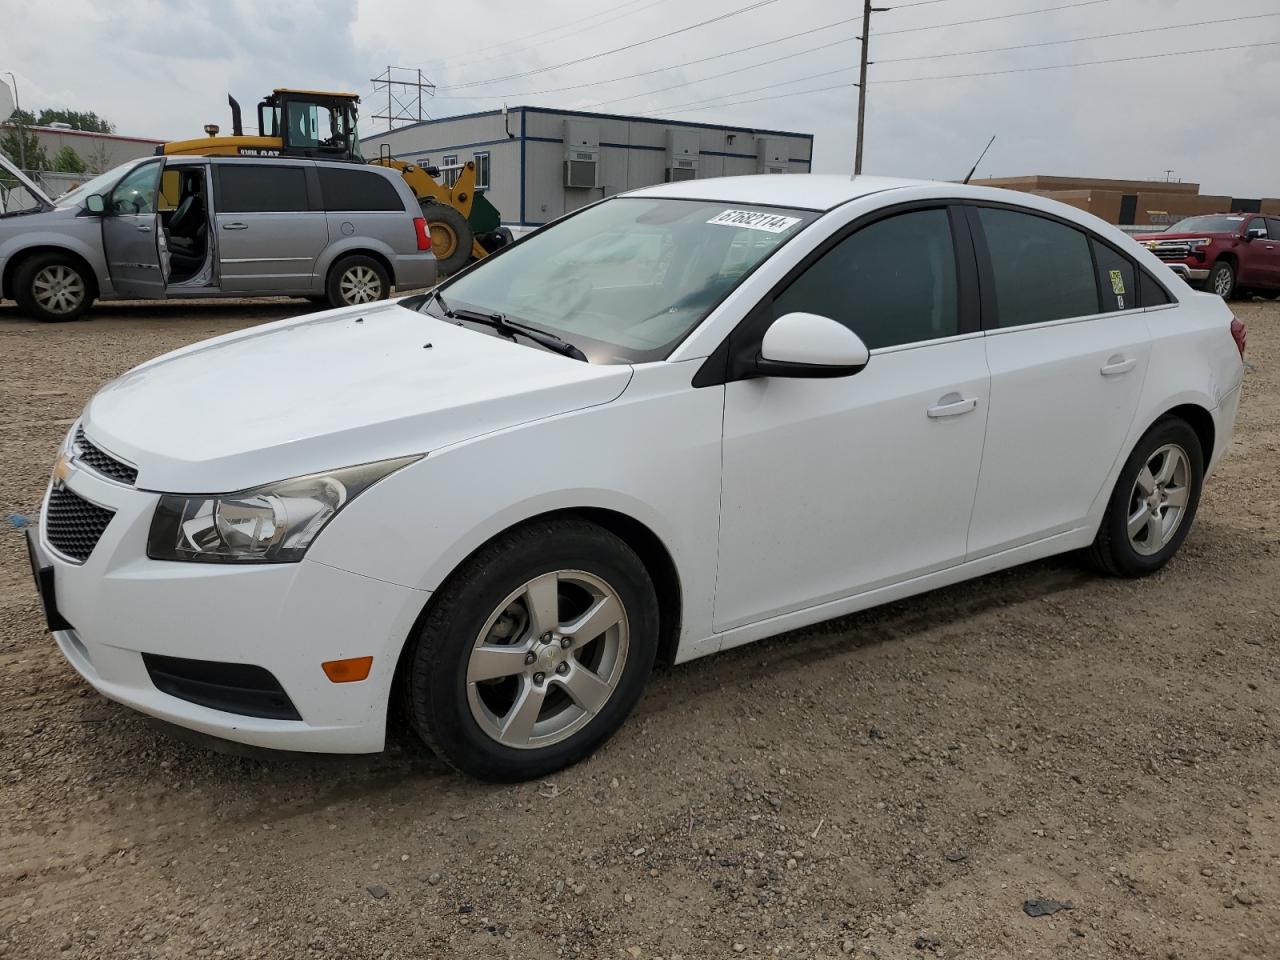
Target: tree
68,161
77,120
20,145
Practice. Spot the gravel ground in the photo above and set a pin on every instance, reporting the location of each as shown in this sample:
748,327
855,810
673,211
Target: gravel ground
892,784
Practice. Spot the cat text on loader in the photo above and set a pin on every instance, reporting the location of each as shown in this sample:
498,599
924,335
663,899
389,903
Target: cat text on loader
309,123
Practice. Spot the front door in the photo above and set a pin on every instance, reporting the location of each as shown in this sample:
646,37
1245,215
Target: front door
269,232
835,487
130,234
1068,355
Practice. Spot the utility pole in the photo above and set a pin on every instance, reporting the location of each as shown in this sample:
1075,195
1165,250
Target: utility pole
867,10
22,137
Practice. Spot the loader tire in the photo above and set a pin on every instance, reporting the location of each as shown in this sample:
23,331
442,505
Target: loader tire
451,236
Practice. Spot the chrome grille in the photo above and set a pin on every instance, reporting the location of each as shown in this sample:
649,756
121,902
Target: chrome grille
73,524
101,462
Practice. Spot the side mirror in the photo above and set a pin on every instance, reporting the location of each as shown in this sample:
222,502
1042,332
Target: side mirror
94,203
809,345
1256,233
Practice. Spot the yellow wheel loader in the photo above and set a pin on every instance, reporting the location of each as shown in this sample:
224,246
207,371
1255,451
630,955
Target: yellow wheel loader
309,123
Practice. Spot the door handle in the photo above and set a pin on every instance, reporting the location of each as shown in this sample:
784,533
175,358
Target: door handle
235,226
952,405
1117,365
143,227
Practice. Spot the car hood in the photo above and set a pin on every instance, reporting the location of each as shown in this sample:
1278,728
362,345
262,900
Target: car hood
329,390
1209,234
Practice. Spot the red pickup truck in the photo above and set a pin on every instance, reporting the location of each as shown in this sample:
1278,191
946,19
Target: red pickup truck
1227,252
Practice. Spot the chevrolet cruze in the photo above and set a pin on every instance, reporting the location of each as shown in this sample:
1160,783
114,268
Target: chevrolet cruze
670,423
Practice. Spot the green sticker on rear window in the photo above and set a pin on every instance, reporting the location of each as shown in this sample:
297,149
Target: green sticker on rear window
1117,282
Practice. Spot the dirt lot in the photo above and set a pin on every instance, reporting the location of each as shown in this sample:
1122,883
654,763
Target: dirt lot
894,784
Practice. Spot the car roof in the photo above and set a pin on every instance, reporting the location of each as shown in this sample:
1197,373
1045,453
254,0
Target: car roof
810,191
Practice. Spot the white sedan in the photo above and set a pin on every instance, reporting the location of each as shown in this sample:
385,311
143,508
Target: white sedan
670,423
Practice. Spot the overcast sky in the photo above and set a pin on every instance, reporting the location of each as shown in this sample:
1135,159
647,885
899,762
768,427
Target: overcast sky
162,68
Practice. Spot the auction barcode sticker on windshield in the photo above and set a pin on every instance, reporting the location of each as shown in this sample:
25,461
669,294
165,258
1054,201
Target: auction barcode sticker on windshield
768,222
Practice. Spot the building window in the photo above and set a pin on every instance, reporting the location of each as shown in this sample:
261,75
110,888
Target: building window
482,170
450,176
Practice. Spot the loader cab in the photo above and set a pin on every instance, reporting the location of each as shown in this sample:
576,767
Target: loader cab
311,124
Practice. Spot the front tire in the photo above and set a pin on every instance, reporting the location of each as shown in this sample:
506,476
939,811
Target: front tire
53,288
1222,279
451,236
357,279
1153,504
534,652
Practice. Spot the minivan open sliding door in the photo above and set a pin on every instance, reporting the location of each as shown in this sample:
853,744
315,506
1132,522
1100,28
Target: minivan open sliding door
130,228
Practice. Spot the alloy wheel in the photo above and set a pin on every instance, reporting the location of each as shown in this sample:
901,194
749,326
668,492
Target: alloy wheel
360,284
58,289
1159,499
548,659
1222,283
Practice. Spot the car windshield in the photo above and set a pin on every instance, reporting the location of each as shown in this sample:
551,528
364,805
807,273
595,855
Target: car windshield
626,280
102,183
1207,225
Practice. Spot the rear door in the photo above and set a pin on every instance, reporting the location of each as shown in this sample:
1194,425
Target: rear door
1068,348
129,234
270,227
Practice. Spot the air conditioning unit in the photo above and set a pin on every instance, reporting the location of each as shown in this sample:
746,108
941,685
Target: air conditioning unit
683,151
771,155
581,154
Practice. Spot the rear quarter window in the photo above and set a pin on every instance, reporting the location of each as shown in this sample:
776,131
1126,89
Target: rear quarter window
1152,291
358,190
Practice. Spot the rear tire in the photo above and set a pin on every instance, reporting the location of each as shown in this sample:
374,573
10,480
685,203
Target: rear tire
356,280
482,661
53,288
451,236
1153,504
1222,280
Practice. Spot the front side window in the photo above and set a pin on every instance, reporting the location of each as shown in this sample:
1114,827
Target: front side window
1256,224
258,188
482,171
1115,277
1043,270
627,279
357,189
891,283
136,193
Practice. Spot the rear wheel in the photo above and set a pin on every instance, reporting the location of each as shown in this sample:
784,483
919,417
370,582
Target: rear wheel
1154,502
1222,279
53,288
534,652
357,279
451,236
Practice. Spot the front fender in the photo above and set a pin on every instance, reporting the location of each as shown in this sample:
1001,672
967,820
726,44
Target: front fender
81,236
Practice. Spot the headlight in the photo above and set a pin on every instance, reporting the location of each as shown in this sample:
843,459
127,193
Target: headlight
1195,244
275,523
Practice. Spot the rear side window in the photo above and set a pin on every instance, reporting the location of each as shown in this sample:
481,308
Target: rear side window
1273,228
1043,269
252,188
357,189
1115,277
892,282
1153,294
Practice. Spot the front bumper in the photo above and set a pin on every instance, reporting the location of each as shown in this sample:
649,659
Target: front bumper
287,619
1188,273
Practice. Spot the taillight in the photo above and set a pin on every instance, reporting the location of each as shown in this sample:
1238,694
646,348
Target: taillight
424,235
1239,335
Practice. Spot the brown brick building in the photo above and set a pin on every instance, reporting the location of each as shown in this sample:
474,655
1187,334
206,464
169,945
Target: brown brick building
1135,202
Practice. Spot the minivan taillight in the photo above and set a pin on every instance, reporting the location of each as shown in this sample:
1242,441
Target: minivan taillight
424,235
1239,335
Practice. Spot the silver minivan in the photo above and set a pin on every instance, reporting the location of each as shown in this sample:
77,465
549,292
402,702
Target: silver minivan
170,227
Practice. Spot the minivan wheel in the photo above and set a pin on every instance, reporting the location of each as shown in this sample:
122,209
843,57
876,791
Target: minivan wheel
1222,279
1154,502
53,288
357,279
534,652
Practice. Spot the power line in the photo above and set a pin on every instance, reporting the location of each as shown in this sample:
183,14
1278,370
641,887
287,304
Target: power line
460,63
1052,43
630,46
958,76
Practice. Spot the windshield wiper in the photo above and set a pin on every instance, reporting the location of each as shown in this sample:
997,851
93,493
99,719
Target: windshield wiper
512,328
